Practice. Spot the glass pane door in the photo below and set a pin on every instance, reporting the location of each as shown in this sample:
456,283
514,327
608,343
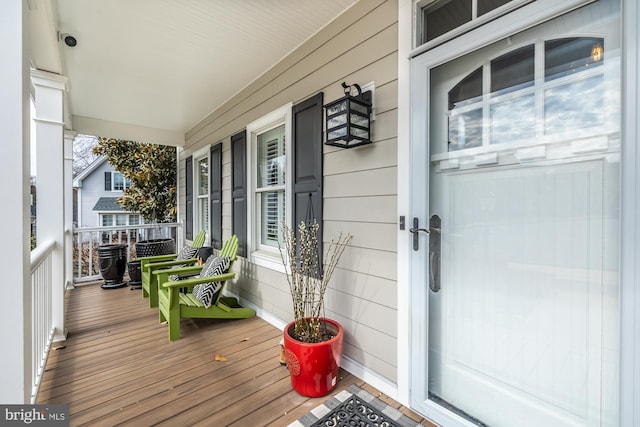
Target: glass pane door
524,151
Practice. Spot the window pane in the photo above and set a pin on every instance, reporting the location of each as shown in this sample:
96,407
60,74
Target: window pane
444,16
465,122
469,89
271,158
134,219
485,6
272,207
513,120
203,177
576,105
570,55
514,70
107,220
121,219
118,181
465,130
203,213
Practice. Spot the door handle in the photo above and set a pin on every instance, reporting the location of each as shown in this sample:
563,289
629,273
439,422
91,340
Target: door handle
434,253
416,230
434,248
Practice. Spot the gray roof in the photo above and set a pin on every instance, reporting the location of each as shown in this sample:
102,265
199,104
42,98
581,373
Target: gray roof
108,204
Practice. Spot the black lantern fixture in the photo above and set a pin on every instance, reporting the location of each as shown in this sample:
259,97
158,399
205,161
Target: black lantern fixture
349,119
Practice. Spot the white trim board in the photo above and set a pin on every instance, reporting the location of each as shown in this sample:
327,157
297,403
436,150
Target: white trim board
630,223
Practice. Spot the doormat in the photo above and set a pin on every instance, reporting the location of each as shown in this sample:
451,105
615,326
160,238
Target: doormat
354,407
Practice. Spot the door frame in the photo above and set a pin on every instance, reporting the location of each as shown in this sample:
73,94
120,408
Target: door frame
412,311
630,222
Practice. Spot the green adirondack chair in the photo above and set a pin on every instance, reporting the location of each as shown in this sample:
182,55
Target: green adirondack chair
175,304
151,263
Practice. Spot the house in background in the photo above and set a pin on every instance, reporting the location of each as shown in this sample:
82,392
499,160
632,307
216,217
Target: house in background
98,188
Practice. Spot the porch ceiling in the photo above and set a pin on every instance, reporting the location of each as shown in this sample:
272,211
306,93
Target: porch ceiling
157,67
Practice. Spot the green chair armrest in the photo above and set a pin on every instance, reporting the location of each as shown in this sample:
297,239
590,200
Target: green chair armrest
163,265
198,280
193,269
157,258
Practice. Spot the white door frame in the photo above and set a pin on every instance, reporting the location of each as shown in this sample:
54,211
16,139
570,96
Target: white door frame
408,307
630,222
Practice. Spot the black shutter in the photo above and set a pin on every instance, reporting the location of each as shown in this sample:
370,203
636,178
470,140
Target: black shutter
307,161
215,195
188,192
107,181
239,190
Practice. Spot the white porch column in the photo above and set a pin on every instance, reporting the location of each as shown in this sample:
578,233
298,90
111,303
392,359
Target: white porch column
15,315
49,101
69,136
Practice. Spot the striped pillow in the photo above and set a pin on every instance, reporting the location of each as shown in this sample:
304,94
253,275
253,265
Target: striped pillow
185,253
207,293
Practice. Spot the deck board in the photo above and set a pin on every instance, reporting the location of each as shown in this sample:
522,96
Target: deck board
118,367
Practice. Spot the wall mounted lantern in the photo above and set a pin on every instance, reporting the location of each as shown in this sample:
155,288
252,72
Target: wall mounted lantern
348,119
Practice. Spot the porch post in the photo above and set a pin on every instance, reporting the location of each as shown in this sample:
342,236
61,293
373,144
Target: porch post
15,369
69,136
49,101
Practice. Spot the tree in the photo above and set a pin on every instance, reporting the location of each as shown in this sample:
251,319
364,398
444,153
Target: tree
152,171
83,154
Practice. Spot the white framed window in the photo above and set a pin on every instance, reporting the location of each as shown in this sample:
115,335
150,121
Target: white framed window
547,91
135,219
106,220
269,171
440,20
119,182
120,219
201,190
436,23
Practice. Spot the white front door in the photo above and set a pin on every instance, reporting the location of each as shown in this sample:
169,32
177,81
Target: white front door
519,270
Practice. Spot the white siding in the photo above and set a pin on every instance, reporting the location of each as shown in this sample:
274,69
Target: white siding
92,189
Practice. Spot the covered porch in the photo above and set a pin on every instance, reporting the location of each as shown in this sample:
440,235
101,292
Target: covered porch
117,367
163,75
38,66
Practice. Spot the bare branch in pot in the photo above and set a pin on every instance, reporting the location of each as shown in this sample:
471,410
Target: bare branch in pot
308,280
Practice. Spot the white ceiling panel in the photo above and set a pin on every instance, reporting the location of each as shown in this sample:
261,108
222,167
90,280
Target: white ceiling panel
166,64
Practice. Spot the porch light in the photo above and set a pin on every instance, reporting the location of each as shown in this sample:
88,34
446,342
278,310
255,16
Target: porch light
348,119
596,52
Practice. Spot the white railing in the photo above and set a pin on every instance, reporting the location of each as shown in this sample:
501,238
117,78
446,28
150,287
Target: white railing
41,311
87,239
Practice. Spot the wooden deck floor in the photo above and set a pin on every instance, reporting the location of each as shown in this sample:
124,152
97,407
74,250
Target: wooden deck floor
118,367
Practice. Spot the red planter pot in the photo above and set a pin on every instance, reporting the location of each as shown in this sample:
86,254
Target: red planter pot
314,367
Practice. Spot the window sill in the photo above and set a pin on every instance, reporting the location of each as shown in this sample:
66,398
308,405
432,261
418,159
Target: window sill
269,260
